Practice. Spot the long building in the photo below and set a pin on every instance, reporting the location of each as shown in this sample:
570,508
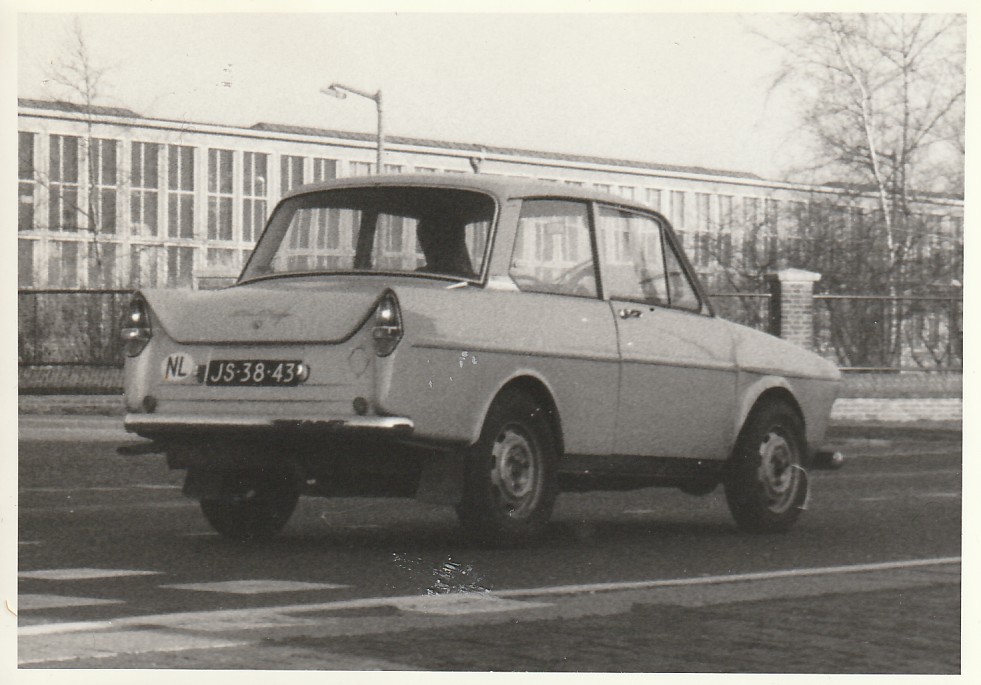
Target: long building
112,199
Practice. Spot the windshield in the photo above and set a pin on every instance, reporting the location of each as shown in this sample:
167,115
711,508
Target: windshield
402,229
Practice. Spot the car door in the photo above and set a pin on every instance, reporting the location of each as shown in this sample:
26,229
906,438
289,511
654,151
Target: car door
677,368
560,326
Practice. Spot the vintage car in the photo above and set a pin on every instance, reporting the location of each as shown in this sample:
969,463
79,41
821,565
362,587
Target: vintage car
477,341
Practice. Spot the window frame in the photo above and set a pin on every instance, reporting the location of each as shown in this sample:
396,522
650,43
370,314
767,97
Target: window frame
669,240
591,234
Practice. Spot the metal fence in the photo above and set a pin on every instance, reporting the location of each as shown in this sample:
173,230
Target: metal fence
70,327
749,309
881,332
80,328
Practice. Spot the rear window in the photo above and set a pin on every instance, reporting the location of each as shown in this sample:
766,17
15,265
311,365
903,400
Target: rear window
440,232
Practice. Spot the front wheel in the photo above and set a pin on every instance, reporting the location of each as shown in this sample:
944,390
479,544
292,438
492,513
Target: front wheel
511,481
251,506
765,482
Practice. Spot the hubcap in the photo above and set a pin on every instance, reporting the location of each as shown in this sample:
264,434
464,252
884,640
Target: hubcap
779,471
515,470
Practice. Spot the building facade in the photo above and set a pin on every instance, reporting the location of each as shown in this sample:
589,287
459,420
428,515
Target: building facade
111,199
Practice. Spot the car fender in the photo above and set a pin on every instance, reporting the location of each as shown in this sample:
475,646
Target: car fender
750,395
520,373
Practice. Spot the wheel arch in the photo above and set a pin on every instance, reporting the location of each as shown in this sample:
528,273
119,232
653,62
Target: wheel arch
538,389
766,391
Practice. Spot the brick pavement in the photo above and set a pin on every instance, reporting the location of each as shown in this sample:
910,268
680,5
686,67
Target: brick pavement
912,630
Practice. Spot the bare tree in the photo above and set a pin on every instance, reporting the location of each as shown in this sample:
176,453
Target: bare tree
882,102
77,79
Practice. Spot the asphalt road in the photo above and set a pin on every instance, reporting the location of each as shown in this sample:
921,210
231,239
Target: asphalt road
118,570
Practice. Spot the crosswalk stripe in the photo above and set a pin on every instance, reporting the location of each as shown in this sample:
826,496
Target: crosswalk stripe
255,587
31,602
82,573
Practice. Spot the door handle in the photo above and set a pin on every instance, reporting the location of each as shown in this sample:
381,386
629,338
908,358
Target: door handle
630,313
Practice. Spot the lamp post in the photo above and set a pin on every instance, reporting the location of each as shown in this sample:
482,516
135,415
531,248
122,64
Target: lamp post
340,91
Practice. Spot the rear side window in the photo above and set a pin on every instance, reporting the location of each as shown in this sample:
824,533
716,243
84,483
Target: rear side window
552,250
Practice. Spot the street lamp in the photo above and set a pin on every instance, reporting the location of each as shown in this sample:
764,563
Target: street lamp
340,91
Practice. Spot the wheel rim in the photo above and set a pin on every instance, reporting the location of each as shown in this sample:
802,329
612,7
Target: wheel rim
779,471
516,471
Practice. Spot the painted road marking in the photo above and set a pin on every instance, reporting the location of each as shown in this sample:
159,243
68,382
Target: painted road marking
33,602
255,614
455,604
103,488
734,578
72,508
82,573
255,587
103,645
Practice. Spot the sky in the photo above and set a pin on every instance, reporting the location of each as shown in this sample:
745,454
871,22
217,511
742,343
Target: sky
690,89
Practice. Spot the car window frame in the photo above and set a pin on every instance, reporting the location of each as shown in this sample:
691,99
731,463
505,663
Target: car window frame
668,241
590,229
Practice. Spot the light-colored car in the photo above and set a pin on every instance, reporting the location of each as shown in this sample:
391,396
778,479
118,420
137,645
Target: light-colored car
472,340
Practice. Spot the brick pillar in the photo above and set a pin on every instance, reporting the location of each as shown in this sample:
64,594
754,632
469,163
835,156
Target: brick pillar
792,305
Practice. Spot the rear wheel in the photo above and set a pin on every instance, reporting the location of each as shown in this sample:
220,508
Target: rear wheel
252,505
765,482
511,482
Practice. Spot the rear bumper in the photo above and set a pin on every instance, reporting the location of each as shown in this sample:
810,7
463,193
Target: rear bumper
168,424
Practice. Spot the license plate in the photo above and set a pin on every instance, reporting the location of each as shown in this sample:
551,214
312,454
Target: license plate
255,372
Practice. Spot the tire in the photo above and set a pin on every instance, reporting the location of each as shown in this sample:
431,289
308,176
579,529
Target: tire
252,506
765,482
511,479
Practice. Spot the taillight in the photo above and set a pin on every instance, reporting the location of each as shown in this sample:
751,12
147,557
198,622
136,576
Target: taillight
387,328
135,329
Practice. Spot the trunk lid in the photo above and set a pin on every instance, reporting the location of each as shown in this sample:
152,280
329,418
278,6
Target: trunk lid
293,310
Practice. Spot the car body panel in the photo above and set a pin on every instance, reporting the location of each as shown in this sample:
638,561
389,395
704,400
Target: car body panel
450,365
677,385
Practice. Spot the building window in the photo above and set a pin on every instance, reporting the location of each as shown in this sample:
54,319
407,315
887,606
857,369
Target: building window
751,213
626,191
102,264
145,188
224,259
62,264
426,170
724,249
393,168
654,198
678,216
25,263
63,186
26,181
180,195
324,169
290,173
361,168
180,267
602,187
254,175
703,211
102,177
144,265
220,170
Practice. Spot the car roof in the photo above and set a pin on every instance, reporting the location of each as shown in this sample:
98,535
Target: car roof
503,187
